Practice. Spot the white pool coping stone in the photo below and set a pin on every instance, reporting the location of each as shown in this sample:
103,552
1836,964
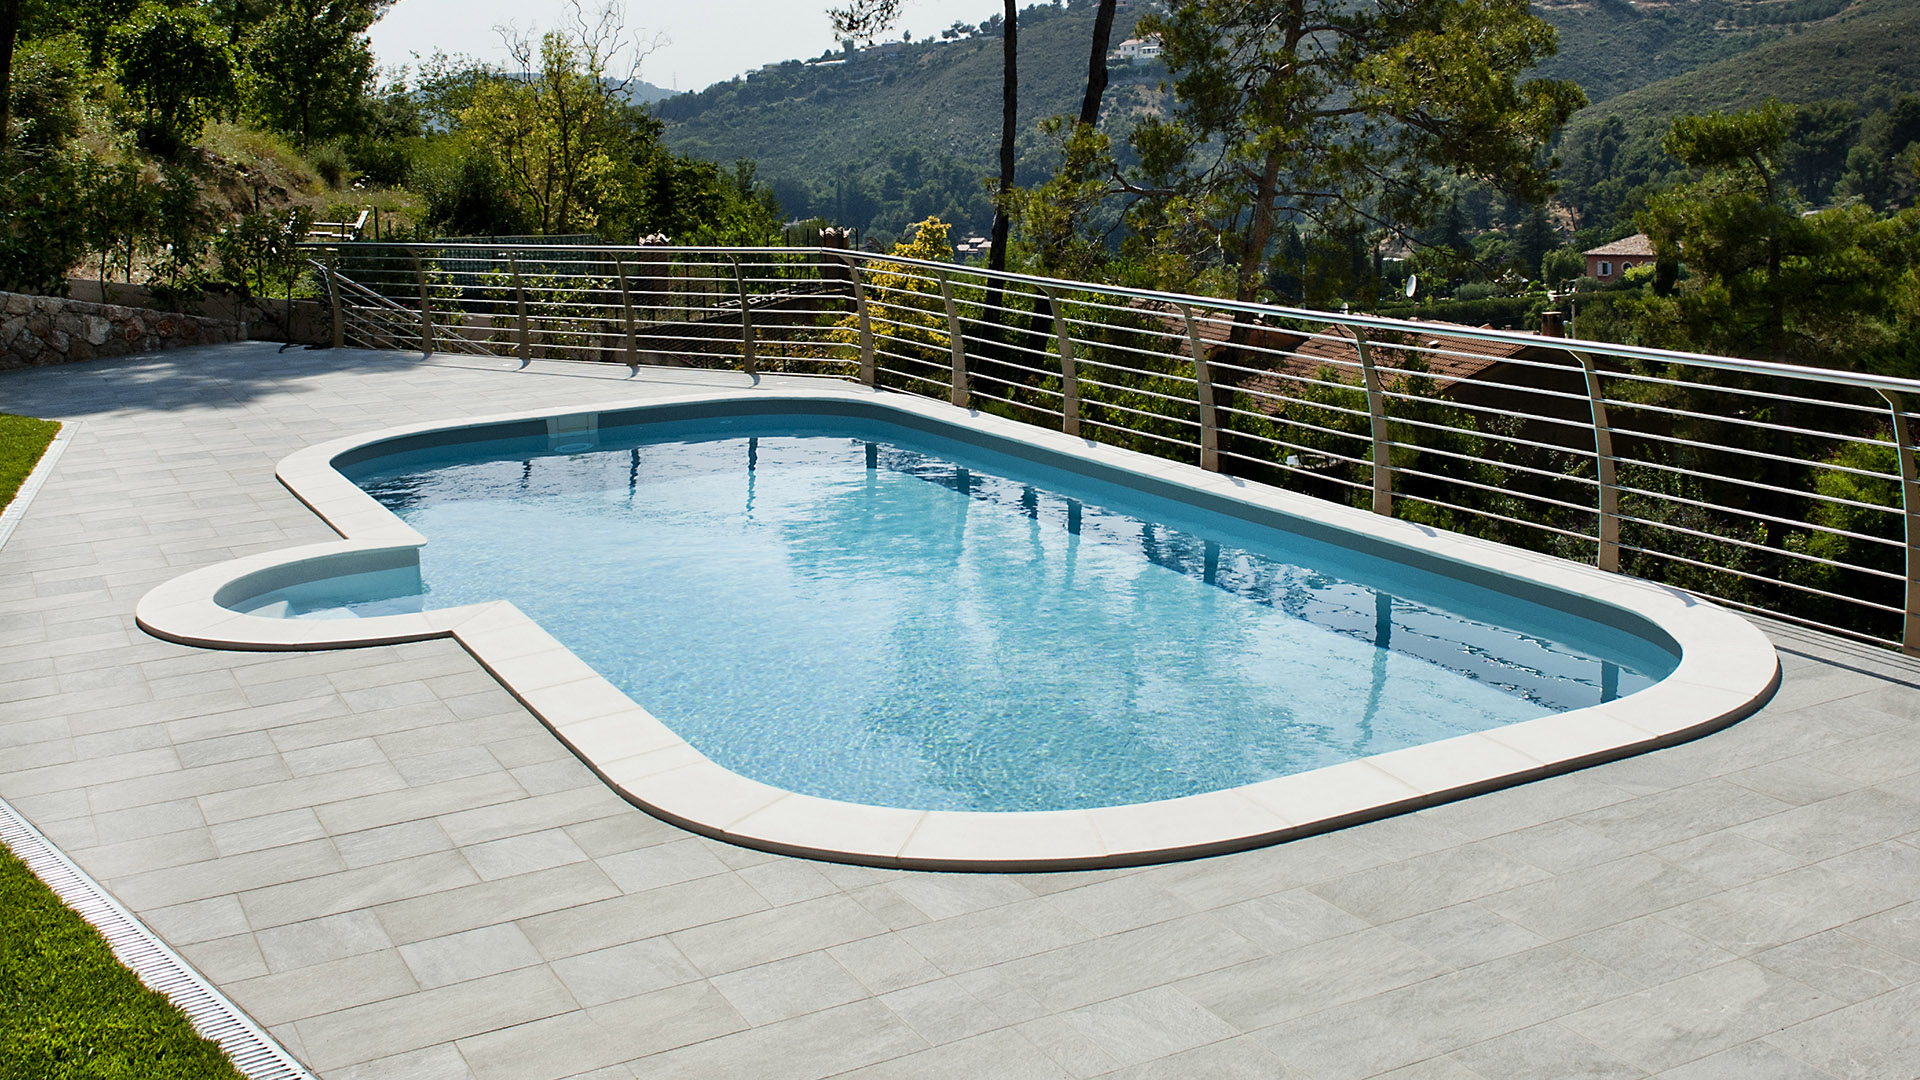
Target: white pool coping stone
1727,670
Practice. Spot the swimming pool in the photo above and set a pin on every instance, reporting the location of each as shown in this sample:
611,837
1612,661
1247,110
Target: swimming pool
920,631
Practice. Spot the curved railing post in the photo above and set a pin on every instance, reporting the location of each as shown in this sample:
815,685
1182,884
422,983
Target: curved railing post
1608,536
333,306
956,341
868,367
1376,424
1910,511
747,363
426,304
1203,390
1069,374
626,312
522,326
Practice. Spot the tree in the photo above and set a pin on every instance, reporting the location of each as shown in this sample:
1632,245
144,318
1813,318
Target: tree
311,66
559,129
1765,279
9,31
1338,115
173,64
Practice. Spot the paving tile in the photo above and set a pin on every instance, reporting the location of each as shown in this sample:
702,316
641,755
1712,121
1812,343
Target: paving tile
585,927
419,1020
318,941
1841,966
422,914
623,971
748,940
1543,1050
1273,989
1584,900
792,987
523,854
470,954
1004,1054
1863,1041
323,988
884,963
805,1048
1698,1015
1649,950
1748,1061
1150,1024
1462,935
1440,1015
1112,965
1779,909
1425,882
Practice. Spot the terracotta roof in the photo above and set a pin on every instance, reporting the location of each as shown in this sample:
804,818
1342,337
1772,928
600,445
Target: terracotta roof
1449,358
1637,244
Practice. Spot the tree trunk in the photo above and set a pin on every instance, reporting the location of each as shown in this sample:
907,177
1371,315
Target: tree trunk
9,30
997,254
1097,63
1009,127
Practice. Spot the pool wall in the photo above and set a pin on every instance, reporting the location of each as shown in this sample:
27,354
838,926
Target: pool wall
1727,668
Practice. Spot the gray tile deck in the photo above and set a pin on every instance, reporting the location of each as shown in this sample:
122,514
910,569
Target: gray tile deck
387,861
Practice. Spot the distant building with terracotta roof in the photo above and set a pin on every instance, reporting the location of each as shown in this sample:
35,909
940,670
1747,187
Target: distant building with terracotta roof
1609,261
1534,377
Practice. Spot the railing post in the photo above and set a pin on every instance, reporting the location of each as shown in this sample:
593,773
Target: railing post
523,327
1069,374
1910,509
869,368
746,321
1203,384
1377,425
333,307
957,344
426,304
626,312
1608,538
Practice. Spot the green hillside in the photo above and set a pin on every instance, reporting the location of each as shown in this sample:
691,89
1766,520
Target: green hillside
886,136
1864,51
883,137
1611,47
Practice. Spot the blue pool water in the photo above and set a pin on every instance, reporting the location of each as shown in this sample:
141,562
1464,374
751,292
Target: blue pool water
860,612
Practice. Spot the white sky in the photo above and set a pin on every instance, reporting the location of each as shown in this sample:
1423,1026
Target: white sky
711,40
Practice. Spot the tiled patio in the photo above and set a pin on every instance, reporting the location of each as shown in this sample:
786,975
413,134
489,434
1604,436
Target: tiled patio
389,863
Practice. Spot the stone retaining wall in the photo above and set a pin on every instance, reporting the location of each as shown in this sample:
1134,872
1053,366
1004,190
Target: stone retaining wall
41,330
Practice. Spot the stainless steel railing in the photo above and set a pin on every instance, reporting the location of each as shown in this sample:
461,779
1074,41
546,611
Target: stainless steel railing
1778,489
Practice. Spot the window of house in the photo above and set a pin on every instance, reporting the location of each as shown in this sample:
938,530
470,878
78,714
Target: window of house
1606,268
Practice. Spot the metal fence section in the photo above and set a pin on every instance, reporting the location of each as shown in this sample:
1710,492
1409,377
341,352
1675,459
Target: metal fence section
1778,489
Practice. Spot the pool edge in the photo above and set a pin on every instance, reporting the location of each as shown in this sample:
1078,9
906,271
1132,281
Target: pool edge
1717,684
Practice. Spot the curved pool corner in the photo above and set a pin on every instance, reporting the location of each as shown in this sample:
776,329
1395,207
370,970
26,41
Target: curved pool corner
1727,670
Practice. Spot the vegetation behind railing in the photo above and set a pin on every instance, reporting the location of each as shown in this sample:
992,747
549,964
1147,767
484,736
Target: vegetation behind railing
1773,488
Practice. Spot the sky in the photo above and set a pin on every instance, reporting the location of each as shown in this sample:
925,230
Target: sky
708,40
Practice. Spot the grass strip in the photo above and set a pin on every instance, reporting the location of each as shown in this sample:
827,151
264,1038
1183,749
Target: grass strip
68,1010
22,440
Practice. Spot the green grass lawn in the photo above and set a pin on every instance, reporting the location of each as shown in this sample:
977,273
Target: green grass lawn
22,440
68,1010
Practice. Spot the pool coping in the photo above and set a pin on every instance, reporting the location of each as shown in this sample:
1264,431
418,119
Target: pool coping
1727,670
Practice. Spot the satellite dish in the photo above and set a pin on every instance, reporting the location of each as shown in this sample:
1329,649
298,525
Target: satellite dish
1413,283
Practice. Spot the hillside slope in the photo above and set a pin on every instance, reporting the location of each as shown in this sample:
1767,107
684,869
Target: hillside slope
1865,50
880,138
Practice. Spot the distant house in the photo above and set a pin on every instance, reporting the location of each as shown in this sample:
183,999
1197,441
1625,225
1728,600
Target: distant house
973,245
1609,261
1136,49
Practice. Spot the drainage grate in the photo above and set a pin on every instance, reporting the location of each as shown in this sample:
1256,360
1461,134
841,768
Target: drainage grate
254,1052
